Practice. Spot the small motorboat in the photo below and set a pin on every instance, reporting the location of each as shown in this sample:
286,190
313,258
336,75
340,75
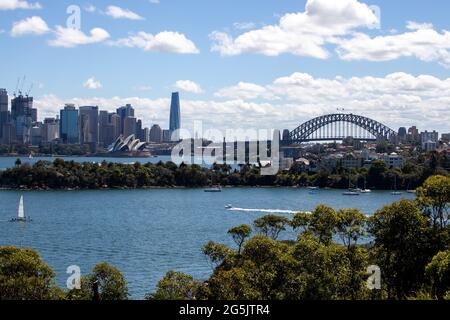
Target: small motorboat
396,193
228,207
366,191
351,193
214,189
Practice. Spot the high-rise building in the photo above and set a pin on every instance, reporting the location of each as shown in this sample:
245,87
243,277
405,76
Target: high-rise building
23,115
166,137
129,127
4,113
413,134
125,112
89,125
429,140
175,116
139,130
109,124
146,137
68,125
36,134
156,134
50,130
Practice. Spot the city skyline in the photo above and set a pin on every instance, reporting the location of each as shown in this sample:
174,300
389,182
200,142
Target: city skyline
393,67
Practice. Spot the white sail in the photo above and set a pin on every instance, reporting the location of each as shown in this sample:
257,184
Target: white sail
21,213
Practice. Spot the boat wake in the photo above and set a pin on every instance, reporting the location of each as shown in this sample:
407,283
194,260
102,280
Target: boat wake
263,210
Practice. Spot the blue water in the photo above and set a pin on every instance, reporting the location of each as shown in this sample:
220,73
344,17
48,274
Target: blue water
146,233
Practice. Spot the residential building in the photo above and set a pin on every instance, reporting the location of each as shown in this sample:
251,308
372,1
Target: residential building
393,160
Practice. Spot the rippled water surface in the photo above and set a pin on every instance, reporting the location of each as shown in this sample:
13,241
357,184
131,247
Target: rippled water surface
145,233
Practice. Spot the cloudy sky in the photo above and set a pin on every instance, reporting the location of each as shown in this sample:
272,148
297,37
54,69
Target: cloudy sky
237,63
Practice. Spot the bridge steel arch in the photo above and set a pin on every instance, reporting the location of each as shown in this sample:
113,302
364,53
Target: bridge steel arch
306,130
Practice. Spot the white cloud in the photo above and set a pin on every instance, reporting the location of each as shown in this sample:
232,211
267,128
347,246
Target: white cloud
422,43
18,4
303,34
165,41
121,13
34,25
69,38
188,86
398,99
412,25
246,90
92,84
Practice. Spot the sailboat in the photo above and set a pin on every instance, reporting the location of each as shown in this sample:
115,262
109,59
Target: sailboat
350,192
21,213
395,192
365,190
409,189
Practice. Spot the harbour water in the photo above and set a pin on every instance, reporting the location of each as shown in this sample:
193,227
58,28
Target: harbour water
146,233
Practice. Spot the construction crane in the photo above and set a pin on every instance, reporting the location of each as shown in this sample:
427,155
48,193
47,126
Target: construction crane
17,87
27,94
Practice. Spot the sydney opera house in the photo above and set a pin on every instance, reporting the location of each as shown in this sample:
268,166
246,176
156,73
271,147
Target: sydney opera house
128,147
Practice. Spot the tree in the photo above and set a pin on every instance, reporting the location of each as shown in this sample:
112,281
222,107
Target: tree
239,234
321,222
176,286
399,230
24,276
271,225
109,280
216,252
350,225
434,196
438,272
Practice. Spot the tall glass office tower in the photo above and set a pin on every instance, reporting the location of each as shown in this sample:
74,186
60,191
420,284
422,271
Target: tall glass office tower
68,124
175,117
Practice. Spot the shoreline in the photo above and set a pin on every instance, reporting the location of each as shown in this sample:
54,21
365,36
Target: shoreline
179,188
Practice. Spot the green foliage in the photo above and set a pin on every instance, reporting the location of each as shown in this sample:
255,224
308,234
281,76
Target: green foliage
176,286
434,196
399,230
216,252
110,281
321,222
239,234
351,225
271,225
438,272
23,276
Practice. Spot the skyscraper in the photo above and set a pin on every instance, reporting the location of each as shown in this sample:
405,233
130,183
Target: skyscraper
125,112
129,127
23,115
89,125
68,125
175,121
3,109
156,134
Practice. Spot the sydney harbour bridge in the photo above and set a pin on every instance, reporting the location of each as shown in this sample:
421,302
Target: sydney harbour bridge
339,126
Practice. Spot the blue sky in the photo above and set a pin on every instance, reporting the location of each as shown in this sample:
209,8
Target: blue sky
224,83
